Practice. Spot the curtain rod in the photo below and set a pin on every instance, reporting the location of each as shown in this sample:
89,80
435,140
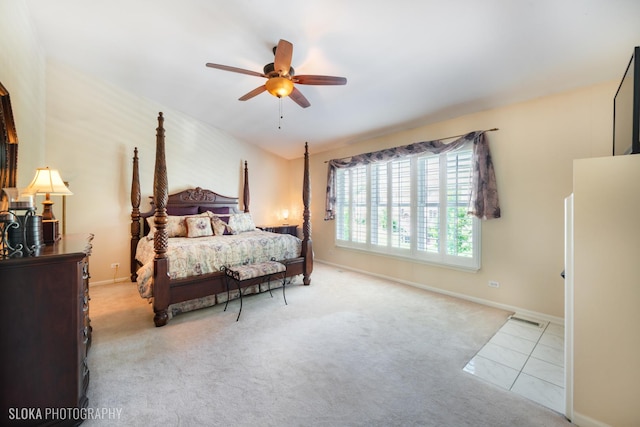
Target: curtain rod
458,136
439,139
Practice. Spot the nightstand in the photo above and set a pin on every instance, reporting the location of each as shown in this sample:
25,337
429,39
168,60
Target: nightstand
281,229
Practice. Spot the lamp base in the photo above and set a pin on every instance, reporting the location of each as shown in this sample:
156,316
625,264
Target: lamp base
51,231
47,211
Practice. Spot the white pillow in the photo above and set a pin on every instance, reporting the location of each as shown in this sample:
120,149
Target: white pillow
242,222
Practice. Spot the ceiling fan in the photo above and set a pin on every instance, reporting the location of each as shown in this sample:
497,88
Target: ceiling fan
281,76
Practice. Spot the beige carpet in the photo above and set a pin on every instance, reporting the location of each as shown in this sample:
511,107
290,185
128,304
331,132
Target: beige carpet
349,350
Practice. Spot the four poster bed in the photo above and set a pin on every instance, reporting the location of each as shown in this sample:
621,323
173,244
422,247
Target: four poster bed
180,248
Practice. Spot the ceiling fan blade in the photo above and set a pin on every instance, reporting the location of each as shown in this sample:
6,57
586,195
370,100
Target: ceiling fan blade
256,91
282,61
299,98
235,69
319,80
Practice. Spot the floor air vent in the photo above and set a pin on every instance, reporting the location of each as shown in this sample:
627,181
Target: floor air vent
529,322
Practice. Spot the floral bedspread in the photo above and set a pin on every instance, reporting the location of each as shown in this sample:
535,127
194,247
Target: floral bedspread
202,255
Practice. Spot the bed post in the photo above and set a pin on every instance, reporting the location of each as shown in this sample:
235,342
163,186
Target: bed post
307,248
135,215
161,237
245,192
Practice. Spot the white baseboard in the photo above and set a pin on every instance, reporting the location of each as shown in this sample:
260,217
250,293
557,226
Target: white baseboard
584,421
522,312
110,281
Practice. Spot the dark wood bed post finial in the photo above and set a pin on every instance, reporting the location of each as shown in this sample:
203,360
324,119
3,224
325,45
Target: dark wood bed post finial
307,247
245,192
135,214
161,237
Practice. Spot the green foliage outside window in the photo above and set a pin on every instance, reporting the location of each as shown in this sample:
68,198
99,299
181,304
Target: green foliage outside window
459,232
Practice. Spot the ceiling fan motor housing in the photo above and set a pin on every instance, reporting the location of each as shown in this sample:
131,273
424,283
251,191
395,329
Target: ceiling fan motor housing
270,70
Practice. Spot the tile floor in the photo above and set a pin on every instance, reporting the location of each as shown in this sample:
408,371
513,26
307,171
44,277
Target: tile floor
526,359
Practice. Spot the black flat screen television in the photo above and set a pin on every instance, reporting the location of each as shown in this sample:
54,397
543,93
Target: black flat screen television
626,109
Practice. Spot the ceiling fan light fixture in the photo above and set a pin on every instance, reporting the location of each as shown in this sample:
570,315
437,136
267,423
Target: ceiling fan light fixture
279,86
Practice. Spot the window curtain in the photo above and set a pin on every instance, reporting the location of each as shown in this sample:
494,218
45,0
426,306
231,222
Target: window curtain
484,194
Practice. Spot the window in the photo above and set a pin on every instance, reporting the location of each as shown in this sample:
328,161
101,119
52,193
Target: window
414,207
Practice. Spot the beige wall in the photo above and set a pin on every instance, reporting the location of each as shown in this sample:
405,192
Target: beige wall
607,290
533,153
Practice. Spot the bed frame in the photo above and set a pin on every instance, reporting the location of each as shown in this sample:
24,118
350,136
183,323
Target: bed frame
166,291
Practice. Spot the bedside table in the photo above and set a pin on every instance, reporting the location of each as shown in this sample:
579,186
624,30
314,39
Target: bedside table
281,229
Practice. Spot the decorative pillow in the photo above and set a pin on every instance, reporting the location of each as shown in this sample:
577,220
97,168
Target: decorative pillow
240,223
225,220
219,226
198,226
176,226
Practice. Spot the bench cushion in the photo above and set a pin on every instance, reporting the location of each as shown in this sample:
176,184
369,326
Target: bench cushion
251,271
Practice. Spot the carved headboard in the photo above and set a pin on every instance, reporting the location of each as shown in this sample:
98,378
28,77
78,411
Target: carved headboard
193,201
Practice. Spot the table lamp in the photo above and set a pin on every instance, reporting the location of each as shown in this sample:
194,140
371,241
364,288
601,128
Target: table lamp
48,181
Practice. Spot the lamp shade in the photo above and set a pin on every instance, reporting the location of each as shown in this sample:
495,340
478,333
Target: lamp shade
48,181
279,86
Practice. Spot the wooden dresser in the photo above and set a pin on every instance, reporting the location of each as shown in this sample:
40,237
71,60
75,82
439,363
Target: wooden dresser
45,334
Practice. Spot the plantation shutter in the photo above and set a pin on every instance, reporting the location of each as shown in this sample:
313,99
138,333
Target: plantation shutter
459,178
428,204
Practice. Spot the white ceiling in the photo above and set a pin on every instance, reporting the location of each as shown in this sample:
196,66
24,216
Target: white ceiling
407,62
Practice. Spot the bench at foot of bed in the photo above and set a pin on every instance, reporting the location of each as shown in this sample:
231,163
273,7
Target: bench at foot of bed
255,273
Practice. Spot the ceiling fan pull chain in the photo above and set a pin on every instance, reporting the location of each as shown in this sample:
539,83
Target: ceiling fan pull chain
280,113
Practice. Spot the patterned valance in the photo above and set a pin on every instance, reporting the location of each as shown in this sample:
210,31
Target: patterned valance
484,195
